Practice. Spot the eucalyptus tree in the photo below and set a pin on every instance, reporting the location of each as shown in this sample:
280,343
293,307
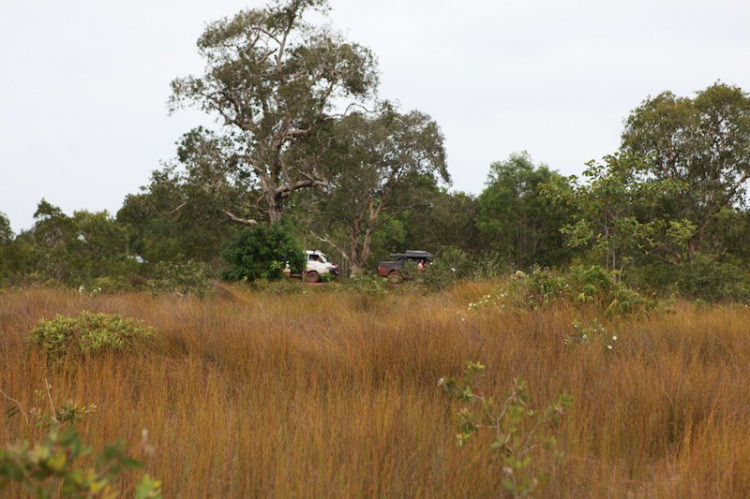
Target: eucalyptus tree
273,80
6,233
382,165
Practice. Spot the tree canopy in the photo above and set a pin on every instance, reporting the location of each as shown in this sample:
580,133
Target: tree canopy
702,142
381,166
515,219
274,80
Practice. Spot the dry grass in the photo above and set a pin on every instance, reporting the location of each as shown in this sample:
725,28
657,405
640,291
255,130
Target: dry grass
334,394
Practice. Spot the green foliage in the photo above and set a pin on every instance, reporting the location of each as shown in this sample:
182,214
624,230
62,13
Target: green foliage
517,220
52,468
66,250
490,265
6,233
450,265
654,277
365,284
542,286
443,219
88,334
585,286
614,216
273,79
380,166
182,278
702,143
6,253
523,435
713,281
263,253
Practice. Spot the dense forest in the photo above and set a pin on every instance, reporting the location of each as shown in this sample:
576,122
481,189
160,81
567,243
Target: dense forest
302,143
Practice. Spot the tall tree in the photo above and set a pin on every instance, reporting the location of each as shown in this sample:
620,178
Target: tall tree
74,250
273,80
516,220
381,166
181,215
445,219
613,212
6,233
702,142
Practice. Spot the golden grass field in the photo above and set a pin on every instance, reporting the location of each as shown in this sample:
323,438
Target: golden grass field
333,393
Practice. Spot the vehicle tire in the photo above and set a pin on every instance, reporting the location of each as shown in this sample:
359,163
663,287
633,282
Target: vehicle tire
313,277
395,278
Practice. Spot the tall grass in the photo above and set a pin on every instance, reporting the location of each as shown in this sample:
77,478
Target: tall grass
331,393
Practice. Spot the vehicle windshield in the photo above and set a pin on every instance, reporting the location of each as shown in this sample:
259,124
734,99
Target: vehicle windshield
317,257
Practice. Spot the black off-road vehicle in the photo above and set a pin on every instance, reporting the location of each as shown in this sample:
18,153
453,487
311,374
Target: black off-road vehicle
403,265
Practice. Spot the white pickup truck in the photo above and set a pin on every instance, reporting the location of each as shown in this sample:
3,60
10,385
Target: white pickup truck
317,265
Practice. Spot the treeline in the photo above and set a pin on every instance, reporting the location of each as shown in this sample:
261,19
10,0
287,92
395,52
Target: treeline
304,144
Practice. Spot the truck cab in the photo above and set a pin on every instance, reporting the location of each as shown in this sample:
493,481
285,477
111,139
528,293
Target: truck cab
398,268
318,265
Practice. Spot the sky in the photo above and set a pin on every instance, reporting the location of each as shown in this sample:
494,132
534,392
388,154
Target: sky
84,83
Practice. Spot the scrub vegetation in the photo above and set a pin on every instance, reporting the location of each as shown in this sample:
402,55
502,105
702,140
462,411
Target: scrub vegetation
333,392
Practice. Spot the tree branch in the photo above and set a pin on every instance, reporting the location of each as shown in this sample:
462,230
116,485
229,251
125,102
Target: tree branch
244,221
326,240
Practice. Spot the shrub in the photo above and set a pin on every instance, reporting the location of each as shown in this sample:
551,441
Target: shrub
541,286
52,468
450,265
88,334
181,278
490,266
712,281
590,285
263,253
522,434
365,284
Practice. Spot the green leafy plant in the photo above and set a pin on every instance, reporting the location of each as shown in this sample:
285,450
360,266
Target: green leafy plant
450,265
591,286
262,253
51,468
88,334
365,284
541,286
522,434
713,281
181,278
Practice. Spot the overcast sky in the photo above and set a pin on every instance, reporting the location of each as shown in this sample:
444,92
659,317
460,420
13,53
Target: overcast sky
84,83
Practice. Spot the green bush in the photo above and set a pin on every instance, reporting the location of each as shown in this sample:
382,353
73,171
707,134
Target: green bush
450,265
181,278
263,253
52,467
705,279
541,286
365,284
525,434
88,334
586,285
652,277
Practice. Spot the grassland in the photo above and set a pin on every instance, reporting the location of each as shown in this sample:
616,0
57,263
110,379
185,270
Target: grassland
334,393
